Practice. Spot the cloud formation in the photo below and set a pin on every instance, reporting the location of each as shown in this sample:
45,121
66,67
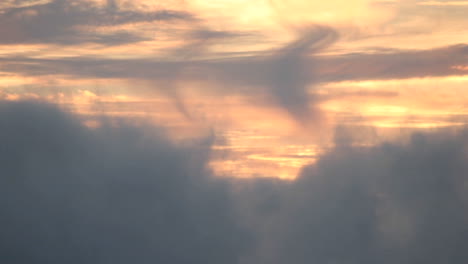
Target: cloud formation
260,70
291,75
119,193
396,64
284,77
75,22
392,203
122,193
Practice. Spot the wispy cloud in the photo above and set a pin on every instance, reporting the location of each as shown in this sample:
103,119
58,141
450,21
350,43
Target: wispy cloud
443,3
293,70
74,22
257,70
284,77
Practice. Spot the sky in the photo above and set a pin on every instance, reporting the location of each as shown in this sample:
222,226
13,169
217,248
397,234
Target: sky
233,131
273,79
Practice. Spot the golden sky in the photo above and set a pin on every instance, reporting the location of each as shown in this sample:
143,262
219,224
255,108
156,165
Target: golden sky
276,81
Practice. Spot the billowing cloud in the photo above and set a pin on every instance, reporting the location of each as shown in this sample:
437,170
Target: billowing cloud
118,193
122,193
391,203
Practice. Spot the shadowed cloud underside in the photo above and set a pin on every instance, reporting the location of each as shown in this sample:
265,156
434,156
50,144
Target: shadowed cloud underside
123,193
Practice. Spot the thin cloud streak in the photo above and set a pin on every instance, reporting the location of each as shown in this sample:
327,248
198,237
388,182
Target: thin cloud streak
254,70
284,76
71,23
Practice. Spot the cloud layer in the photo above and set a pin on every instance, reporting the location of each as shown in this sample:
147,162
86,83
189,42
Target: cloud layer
386,204
123,193
116,194
76,22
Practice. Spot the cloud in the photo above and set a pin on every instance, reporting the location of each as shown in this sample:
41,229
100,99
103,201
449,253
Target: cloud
391,203
123,193
75,22
282,77
285,75
119,193
199,40
259,70
291,75
398,64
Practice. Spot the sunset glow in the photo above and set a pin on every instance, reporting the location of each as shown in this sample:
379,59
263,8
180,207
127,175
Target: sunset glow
233,131
200,66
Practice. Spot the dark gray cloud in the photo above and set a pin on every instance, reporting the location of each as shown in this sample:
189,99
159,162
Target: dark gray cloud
392,203
293,70
120,193
74,22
